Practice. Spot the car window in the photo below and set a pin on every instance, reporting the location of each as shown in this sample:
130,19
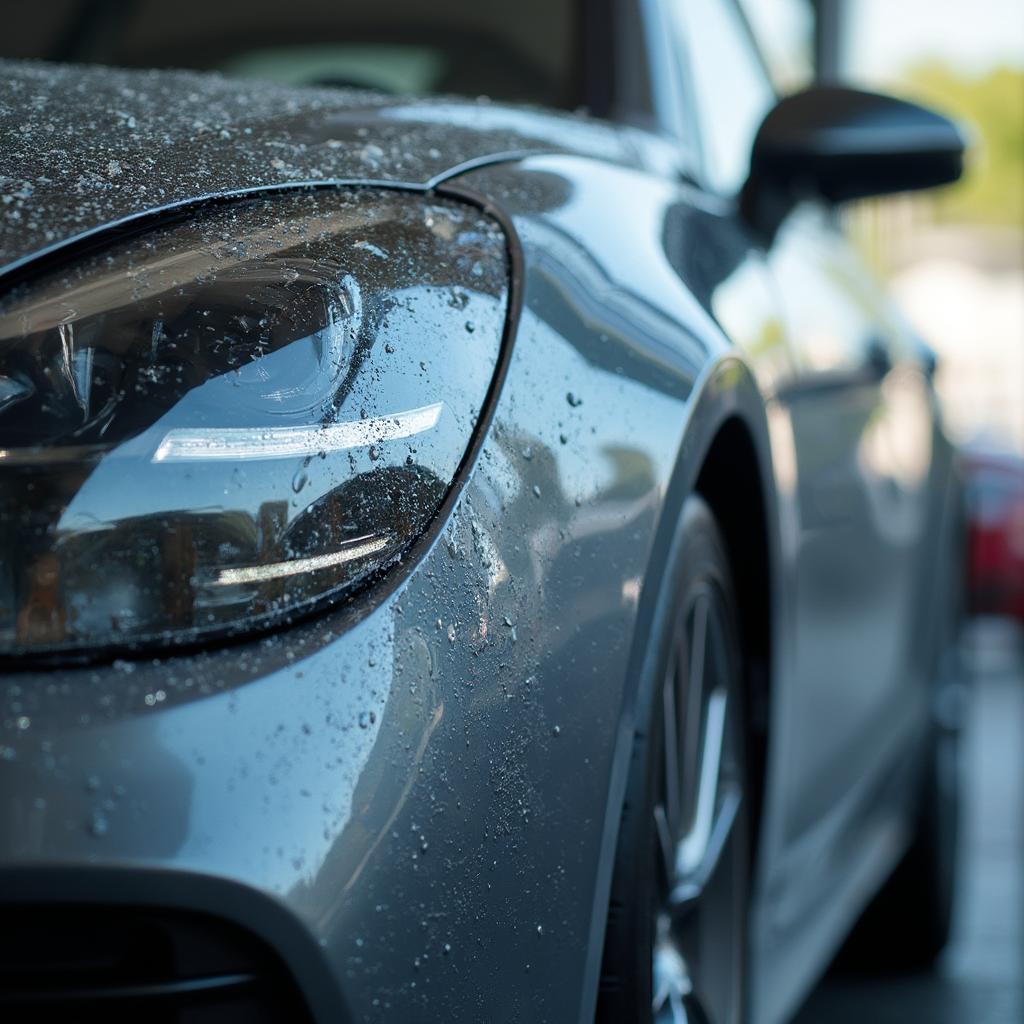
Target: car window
784,30
731,88
522,52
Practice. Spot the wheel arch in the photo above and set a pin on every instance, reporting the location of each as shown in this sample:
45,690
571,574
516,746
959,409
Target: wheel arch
730,482
725,457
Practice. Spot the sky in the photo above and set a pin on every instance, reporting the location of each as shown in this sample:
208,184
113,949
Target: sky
973,35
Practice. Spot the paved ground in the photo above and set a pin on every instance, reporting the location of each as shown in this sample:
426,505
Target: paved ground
980,979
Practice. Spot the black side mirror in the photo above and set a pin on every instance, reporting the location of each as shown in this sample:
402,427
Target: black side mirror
835,143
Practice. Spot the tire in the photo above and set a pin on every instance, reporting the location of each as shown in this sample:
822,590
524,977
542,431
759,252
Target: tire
677,920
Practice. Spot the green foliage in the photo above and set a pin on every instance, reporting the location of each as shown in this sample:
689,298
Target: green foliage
991,106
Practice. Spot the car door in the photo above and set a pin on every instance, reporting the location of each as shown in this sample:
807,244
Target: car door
860,414
852,429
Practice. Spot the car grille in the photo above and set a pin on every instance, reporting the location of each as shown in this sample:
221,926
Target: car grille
74,963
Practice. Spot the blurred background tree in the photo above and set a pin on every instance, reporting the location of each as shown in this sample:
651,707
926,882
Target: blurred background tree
992,104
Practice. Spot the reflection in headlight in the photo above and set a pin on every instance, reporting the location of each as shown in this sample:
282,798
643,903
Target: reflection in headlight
259,573
205,443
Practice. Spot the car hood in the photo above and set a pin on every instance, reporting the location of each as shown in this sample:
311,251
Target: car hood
82,148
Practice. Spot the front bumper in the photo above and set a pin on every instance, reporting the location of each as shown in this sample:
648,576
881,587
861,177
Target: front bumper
225,784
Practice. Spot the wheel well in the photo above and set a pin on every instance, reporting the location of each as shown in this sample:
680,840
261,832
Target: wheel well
730,482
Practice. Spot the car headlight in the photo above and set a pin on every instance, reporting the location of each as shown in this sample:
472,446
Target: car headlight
226,420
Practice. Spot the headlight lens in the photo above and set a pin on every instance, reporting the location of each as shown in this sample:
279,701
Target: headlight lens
231,418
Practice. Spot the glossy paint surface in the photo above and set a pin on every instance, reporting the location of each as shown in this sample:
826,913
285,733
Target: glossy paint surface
417,806
437,775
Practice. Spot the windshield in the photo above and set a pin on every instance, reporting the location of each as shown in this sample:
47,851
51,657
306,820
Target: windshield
514,52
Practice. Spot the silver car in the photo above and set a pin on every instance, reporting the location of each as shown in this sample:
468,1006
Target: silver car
462,560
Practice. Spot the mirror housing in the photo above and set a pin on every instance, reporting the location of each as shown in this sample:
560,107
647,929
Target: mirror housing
834,143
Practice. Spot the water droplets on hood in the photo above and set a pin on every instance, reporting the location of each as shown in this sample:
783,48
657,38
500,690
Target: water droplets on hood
182,135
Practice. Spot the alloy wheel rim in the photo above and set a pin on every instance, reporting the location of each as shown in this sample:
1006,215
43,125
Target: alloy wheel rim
694,979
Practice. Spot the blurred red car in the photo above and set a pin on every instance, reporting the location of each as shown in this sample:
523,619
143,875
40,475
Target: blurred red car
995,504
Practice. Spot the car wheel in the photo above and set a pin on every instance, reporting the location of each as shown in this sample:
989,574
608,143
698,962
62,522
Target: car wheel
675,942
